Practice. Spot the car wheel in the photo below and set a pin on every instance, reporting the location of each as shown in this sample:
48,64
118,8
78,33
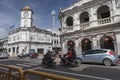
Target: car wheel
77,62
107,62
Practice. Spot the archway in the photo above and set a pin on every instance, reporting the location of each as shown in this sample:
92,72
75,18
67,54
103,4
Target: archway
106,42
86,44
70,44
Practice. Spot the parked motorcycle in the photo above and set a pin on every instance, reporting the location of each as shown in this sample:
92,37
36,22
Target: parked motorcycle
34,55
21,56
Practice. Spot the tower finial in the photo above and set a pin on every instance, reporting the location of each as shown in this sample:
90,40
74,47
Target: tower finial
26,8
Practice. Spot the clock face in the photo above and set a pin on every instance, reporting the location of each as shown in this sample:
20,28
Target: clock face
26,14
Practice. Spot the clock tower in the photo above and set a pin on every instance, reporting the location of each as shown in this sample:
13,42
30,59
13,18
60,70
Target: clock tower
26,17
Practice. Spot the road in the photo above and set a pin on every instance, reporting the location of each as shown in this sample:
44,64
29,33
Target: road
83,72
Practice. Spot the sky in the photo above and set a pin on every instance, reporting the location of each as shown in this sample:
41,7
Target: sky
10,13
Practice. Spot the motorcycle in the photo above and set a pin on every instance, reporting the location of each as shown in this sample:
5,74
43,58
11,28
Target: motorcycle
48,60
21,56
64,62
34,55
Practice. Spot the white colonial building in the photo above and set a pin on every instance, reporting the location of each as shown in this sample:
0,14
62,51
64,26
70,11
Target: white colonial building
28,37
90,24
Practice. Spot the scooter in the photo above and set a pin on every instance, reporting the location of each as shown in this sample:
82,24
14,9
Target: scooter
21,56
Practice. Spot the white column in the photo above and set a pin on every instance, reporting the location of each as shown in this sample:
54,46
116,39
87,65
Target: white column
64,49
93,17
118,42
116,12
76,22
77,47
94,43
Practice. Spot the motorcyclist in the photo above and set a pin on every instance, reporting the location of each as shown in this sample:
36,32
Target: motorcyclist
64,60
71,55
48,59
67,59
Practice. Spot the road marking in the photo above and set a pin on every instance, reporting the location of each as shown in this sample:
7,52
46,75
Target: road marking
74,74
33,64
108,67
23,65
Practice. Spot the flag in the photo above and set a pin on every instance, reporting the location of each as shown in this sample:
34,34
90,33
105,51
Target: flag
11,27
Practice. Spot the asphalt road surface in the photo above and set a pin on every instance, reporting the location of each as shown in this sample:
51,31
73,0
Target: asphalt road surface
83,72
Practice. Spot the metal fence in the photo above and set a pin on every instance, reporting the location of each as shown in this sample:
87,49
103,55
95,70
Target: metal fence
16,73
11,72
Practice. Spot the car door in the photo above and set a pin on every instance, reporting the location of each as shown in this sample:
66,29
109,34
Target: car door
88,56
98,56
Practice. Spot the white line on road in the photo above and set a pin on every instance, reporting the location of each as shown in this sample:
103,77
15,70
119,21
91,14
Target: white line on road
23,65
100,78
33,64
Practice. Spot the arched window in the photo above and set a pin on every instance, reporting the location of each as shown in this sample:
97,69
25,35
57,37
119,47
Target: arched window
84,17
103,12
69,21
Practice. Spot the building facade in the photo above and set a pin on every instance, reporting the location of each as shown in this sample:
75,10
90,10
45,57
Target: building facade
56,45
28,37
90,24
3,44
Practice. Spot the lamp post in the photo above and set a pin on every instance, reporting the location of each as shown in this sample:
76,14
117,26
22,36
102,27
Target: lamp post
53,26
53,16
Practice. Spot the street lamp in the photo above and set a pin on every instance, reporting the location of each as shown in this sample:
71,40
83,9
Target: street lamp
53,15
53,25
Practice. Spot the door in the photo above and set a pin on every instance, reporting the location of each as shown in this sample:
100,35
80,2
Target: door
88,56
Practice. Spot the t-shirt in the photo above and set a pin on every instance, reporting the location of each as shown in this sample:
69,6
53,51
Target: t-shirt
69,53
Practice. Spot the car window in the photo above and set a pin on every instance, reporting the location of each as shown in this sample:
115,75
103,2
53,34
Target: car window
99,51
89,52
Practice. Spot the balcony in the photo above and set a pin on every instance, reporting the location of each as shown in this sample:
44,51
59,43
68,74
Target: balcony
105,21
97,23
67,29
91,24
85,25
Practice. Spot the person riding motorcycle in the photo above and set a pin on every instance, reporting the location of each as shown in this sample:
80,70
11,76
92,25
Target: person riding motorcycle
67,59
71,55
48,60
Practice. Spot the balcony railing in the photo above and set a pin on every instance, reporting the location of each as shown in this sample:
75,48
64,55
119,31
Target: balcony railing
96,23
84,25
67,29
104,21
91,24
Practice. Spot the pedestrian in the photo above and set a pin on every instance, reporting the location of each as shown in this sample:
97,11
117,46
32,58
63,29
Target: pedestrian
23,53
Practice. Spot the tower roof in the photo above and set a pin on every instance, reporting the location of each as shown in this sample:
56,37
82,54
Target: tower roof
27,8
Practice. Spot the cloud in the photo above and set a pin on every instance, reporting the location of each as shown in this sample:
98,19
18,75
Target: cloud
8,5
10,13
3,32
